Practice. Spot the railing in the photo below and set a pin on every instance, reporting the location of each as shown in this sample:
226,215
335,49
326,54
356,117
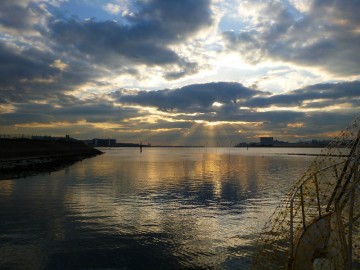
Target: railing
319,204
342,189
304,213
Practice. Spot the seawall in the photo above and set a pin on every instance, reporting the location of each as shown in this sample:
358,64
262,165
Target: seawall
24,157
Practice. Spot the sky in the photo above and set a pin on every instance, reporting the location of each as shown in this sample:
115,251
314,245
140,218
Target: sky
179,72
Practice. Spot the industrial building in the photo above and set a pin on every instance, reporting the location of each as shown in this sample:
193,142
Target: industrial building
266,141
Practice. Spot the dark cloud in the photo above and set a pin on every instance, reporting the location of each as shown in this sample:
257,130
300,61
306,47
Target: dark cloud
18,14
327,36
68,109
233,113
328,93
187,68
18,69
39,71
328,121
27,62
241,104
30,74
186,111
105,40
145,39
191,98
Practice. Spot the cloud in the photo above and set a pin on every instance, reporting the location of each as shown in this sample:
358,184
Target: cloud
54,54
18,67
17,14
144,39
330,94
324,36
191,98
56,69
234,104
66,108
31,74
186,114
59,65
31,67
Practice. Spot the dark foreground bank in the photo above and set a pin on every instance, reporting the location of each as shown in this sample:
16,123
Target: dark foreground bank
24,157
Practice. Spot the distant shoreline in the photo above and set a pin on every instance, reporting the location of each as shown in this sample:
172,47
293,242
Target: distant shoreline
202,146
282,146
312,155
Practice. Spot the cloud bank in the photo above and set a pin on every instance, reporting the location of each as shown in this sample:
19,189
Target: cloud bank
232,110
179,71
324,36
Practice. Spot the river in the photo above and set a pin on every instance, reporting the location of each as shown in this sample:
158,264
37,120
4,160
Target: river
164,208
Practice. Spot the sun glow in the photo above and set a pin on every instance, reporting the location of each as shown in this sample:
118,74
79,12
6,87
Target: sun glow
295,125
46,125
219,123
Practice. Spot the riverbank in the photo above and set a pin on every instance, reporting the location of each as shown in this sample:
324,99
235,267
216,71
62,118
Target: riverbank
24,157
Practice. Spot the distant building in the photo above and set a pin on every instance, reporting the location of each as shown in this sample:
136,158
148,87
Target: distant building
104,142
269,141
266,141
280,143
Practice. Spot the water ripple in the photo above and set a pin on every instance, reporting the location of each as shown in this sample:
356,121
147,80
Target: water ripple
184,209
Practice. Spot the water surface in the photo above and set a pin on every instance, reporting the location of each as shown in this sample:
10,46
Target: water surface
167,208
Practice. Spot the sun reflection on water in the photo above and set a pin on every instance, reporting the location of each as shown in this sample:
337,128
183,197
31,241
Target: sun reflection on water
174,208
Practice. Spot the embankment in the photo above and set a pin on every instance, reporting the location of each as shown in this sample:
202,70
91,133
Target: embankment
24,157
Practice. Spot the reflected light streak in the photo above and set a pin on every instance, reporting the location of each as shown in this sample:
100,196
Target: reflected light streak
6,188
203,206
